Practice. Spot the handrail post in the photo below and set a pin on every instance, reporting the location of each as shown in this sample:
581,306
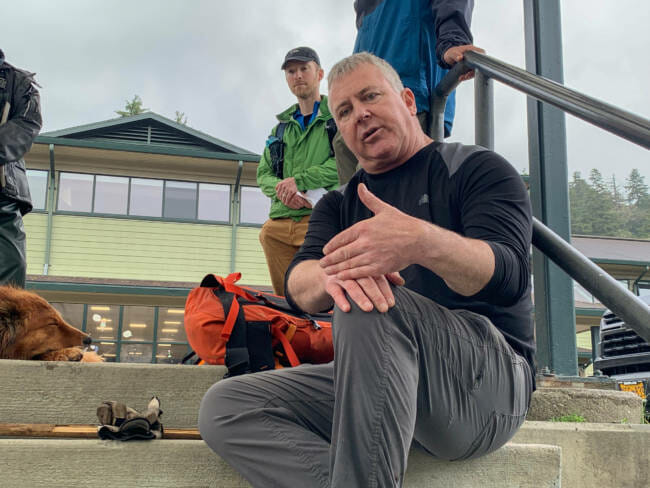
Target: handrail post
234,218
439,100
549,192
483,110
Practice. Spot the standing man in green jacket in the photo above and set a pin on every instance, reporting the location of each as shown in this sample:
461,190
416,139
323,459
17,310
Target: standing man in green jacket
297,162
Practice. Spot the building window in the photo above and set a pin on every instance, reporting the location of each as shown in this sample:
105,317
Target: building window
103,322
180,200
37,180
643,288
171,325
130,334
75,192
255,206
138,324
142,197
214,202
72,313
111,194
108,350
146,197
135,353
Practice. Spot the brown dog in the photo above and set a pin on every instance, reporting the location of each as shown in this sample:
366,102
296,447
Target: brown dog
30,328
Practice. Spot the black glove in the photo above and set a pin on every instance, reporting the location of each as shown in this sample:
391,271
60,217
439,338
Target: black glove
123,423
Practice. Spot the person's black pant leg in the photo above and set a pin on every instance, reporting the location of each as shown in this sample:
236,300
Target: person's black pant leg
13,265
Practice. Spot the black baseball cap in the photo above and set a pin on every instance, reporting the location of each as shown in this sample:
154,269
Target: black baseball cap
303,54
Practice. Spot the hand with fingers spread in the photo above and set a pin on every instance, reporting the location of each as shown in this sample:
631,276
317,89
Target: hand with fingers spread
380,245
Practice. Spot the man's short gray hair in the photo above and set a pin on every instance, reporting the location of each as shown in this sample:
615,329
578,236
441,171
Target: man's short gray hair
349,64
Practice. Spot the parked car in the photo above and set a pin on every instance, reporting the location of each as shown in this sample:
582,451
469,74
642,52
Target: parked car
624,356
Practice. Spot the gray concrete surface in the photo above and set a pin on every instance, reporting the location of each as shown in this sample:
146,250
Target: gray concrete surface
599,406
65,393
179,464
596,455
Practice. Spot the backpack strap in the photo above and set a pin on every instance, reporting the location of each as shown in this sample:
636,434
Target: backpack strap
275,143
239,336
286,345
331,129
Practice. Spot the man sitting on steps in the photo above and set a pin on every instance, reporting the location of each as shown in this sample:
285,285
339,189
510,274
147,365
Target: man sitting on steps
424,257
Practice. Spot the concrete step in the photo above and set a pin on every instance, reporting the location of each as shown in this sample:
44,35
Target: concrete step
594,405
69,393
595,455
176,463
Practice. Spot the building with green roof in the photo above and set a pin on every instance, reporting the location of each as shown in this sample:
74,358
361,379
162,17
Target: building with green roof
131,213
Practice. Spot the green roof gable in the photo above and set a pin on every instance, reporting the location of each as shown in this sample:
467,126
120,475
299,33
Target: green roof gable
149,129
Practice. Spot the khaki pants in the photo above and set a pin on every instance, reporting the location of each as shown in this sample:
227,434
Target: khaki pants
281,239
346,161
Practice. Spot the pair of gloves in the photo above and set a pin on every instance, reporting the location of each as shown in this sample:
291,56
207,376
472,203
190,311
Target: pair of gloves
123,423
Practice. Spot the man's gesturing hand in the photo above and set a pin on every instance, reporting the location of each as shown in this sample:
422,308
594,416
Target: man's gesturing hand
367,293
378,246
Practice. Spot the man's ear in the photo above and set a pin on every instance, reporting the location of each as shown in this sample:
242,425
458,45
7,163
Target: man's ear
409,100
321,74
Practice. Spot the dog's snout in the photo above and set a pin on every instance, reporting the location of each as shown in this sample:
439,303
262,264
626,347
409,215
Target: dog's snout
87,340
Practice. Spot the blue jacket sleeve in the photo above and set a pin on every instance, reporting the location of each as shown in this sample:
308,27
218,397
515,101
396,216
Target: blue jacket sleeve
452,20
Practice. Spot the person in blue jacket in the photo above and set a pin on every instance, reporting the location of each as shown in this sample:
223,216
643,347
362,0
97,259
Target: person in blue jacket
421,39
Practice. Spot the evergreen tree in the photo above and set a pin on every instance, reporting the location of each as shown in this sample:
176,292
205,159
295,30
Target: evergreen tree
636,189
134,107
638,222
180,118
580,193
616,192
602,208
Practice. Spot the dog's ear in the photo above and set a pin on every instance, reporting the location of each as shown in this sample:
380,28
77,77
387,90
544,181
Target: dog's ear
12,318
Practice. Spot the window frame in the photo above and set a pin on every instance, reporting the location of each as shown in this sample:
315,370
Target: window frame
162,218
241,206
119,342
47,188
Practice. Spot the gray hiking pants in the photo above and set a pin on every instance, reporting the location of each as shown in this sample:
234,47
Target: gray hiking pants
446,379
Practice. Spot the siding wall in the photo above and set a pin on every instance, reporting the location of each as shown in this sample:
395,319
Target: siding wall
99,247
250,260
36,231
138,249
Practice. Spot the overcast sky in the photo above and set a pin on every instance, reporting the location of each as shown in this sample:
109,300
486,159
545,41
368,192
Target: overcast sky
219,62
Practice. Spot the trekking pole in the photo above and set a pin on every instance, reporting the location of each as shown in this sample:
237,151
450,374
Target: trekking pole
3,119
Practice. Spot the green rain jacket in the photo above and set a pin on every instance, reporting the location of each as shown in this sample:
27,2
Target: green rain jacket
307,157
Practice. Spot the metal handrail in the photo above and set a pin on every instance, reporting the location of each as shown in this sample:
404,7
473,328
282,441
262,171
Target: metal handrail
633,311
608,117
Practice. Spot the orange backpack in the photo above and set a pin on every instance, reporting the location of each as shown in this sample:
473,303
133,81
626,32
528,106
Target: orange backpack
249,331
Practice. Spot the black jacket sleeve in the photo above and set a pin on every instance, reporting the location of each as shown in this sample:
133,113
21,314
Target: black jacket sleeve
24,122
453,19
496,209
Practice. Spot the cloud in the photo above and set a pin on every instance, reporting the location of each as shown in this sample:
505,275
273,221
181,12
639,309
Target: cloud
219,63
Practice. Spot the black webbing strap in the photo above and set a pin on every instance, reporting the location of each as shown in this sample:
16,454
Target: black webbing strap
237,359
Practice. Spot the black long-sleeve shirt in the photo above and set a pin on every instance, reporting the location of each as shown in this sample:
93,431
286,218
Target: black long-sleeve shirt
465,189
